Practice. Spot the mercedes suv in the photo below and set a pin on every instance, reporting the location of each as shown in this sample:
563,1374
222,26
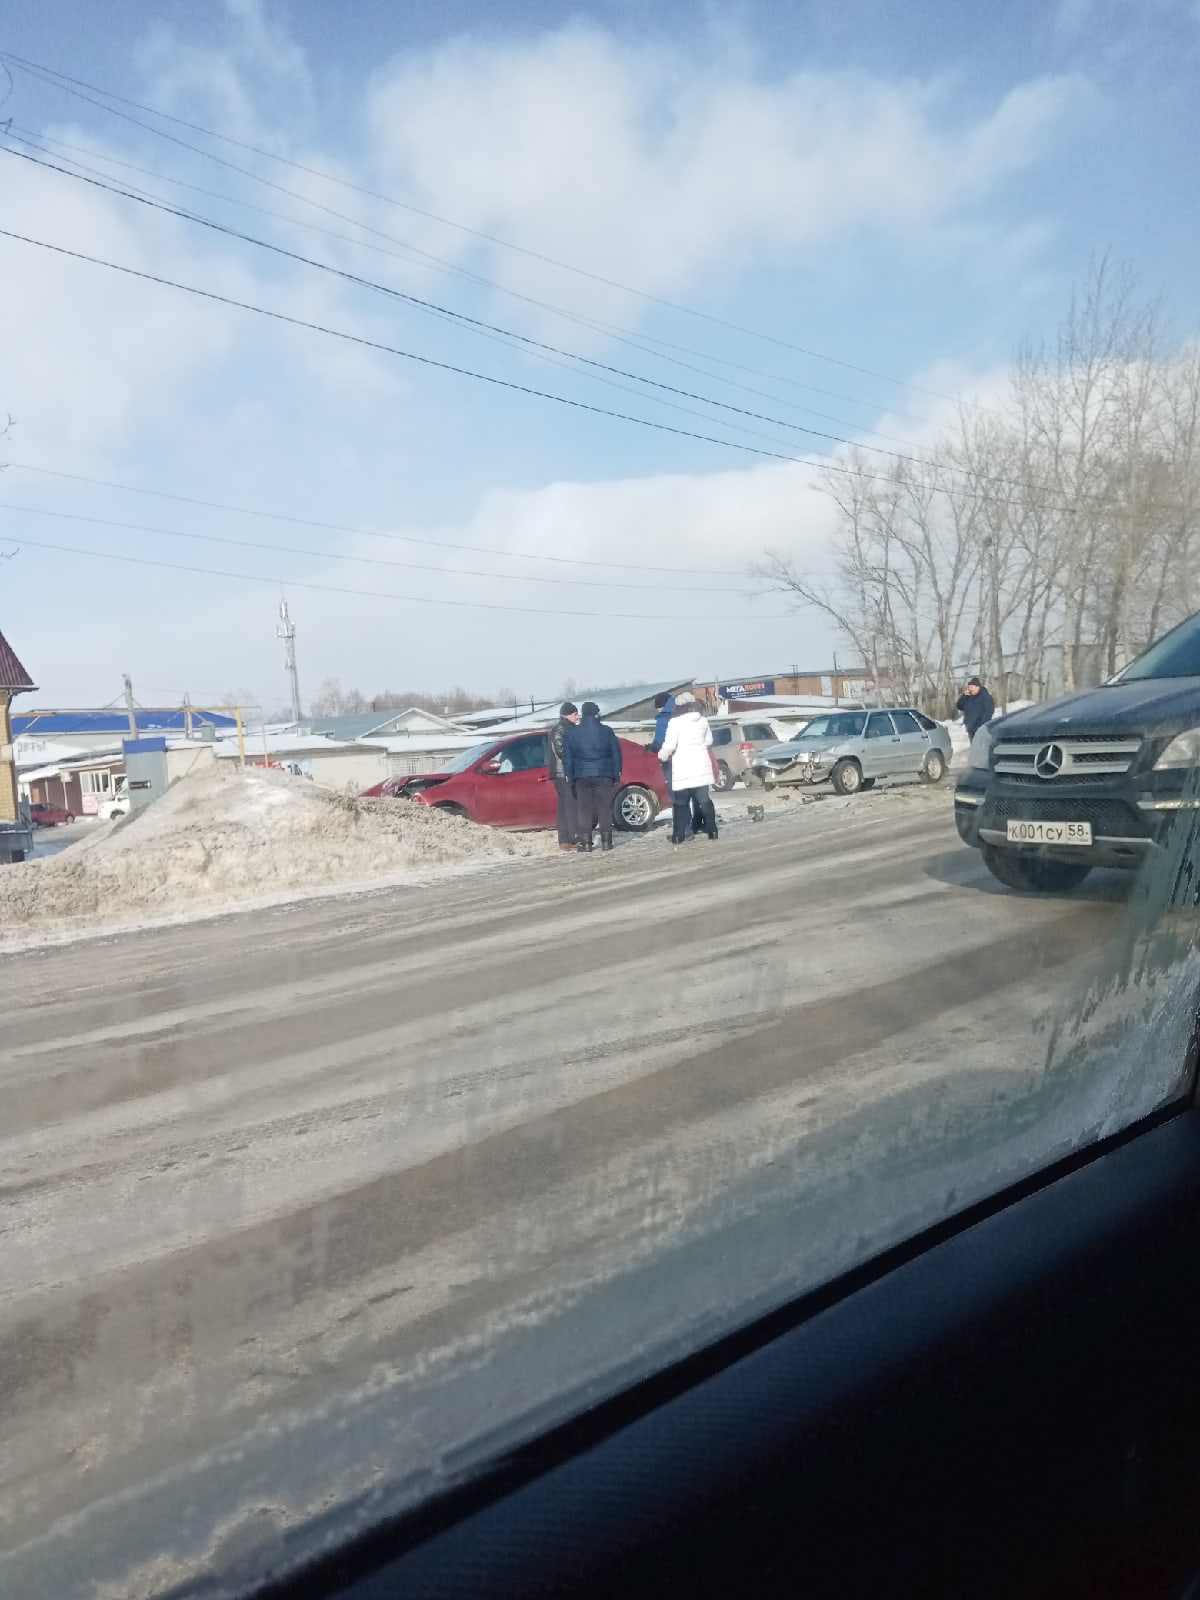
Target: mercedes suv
1092,780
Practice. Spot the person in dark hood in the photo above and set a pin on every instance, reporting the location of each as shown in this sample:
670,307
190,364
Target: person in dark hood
568,823
976,705
592,762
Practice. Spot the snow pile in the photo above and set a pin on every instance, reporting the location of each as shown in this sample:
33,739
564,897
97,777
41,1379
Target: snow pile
223,837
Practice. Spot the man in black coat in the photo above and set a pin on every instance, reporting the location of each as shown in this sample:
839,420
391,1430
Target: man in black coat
568,823
976,705
592,761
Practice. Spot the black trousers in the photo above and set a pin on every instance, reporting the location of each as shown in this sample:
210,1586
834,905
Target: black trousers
568,819
698,823
594,797
693,805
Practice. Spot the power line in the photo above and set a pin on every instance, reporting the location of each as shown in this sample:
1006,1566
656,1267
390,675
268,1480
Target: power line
366,533
826,465
371,561
474,324
74,86
407,355
386,594
644,343
546,353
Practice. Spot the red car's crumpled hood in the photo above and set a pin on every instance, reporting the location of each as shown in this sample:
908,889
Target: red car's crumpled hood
399,788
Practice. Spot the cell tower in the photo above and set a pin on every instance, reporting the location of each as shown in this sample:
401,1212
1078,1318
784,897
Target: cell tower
285,629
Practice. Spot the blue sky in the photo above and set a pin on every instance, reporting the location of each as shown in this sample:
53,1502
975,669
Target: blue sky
903,191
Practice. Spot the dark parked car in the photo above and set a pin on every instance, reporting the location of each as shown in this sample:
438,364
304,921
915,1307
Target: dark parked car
1096,779
506,783
50,816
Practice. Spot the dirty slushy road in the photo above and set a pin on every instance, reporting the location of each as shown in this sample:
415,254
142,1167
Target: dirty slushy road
253,1162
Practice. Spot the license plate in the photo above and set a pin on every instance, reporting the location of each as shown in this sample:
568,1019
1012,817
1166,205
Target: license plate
1049,832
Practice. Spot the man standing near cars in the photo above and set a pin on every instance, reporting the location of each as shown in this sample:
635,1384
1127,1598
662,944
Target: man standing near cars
976,705
592,762
688,747
568,823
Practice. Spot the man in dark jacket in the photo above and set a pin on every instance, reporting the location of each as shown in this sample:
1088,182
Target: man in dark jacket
976,705
568,826
592,762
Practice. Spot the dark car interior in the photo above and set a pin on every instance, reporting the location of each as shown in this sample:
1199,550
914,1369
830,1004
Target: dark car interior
1007,1405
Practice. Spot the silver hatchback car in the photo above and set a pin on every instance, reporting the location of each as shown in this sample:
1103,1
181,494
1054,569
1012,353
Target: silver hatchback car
852,749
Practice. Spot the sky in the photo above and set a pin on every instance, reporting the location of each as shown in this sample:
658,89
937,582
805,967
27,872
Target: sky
412,356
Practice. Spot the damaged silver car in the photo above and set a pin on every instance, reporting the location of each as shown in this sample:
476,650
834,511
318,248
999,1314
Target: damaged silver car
853,749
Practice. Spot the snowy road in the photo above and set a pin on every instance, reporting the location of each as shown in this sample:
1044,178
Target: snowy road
253,1163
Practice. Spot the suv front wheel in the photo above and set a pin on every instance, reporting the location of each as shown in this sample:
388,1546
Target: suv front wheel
1034,874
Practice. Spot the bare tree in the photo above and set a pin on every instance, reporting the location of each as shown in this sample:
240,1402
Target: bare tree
332,700
1042,543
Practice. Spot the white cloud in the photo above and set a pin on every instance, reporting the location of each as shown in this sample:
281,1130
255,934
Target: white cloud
655,169
89,353
244,86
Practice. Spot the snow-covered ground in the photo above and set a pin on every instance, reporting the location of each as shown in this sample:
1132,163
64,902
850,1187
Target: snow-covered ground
224,839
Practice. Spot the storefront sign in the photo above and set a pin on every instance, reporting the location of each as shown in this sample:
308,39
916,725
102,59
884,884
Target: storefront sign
746,691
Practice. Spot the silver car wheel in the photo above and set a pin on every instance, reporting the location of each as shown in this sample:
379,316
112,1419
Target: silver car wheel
634,810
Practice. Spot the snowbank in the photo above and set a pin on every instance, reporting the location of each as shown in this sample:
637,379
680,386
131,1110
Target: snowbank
224,838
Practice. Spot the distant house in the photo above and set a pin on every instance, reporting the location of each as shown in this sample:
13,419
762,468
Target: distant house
14,680
835,683
350,765
77,780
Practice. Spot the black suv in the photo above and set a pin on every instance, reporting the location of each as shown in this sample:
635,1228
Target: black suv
1092,780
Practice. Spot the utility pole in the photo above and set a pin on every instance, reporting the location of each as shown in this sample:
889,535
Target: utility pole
130,708
187,715
286,630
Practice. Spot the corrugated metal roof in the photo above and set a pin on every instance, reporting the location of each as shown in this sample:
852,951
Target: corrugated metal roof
351,725
109,721
610,702
12,674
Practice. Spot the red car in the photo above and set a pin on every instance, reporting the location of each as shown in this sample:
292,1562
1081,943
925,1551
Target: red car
49,816
506,783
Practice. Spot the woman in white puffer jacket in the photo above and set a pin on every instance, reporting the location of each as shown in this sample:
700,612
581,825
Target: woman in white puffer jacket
686,747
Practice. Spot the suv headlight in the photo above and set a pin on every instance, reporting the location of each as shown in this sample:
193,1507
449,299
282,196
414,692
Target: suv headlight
980,758
1183,751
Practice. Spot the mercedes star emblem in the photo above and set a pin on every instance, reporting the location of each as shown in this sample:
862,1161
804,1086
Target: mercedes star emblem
1048,762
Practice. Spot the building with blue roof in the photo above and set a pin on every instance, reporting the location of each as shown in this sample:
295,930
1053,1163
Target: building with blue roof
85,728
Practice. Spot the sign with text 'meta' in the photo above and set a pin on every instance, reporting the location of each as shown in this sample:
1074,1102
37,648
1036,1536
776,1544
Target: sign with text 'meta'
746,691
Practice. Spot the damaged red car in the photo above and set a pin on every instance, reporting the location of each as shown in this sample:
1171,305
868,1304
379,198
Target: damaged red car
506,784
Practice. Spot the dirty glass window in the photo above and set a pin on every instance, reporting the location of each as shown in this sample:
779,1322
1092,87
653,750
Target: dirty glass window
424,374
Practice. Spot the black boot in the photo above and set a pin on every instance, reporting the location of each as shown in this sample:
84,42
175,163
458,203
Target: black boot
606,843
585,845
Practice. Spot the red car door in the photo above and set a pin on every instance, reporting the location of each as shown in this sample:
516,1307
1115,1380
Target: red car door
513,788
